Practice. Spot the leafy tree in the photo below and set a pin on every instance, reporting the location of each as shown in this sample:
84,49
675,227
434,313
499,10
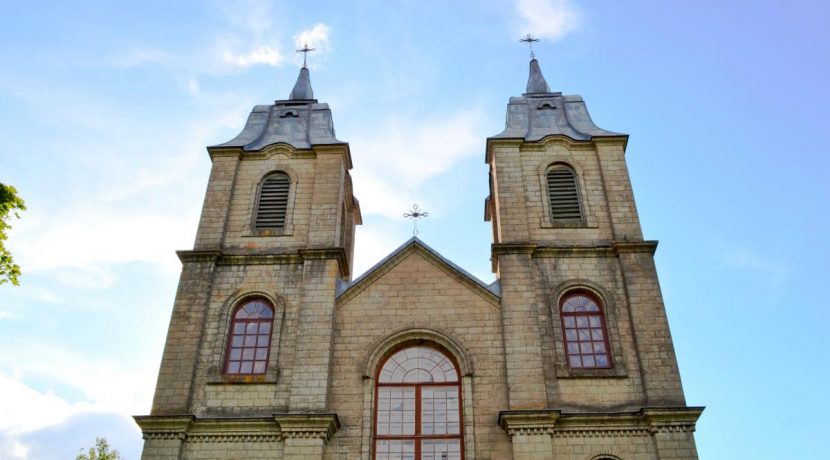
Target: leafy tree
101,451
12,204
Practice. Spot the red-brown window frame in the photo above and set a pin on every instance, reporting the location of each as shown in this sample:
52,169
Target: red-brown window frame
417,437
233,323
602,319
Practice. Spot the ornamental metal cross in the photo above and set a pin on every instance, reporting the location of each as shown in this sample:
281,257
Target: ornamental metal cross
529,39
415,213
305,50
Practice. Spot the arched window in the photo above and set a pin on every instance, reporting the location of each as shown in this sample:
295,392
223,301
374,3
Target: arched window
563,194
586,339
249,341
272,203
418,410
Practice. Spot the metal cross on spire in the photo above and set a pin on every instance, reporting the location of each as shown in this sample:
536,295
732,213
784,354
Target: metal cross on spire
305,50
415,213
529,39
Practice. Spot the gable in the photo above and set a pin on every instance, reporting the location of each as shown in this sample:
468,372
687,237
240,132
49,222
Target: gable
416,269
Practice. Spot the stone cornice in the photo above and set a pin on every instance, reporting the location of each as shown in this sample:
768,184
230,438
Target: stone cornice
198,255
316,426
164,427
554,139
249,429
275,258
541,251
645,422
528,422
671,419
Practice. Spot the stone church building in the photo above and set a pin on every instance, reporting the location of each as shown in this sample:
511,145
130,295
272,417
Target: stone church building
276,351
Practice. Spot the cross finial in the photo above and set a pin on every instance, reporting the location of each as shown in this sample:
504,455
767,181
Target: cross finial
305,50
529,39
415,213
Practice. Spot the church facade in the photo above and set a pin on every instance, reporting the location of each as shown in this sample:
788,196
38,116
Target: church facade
274,351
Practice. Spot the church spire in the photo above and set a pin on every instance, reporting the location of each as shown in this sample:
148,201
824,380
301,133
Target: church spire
536,81
302,89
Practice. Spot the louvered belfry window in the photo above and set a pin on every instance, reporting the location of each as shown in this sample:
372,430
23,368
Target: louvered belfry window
273,202
563,195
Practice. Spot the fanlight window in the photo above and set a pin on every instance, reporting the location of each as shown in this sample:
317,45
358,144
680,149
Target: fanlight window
249,341
418,411
586,340
563,196
272,204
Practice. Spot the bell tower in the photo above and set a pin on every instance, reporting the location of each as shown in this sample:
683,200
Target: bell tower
246,362
591,368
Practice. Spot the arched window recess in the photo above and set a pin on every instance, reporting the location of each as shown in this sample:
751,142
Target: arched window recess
563,194
418,406
249,340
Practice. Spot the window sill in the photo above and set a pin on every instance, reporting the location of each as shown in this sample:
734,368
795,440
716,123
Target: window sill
269,233
544,222
269,377
565,372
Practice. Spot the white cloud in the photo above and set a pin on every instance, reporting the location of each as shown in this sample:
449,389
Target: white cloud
400,155
551,19
25,409
103,386
251,15
316,37
19,450
374,244
260,55
142,56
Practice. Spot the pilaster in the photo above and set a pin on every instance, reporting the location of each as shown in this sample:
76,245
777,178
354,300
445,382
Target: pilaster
315,328
215,210
178,362
522,342
306,435
530,433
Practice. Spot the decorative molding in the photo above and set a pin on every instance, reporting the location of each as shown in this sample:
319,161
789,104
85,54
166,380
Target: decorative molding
645,422
308,426
528,422
611,249
173,427
601,432
453,345
198,256
672,419
235,437
648,246
294,257
188,428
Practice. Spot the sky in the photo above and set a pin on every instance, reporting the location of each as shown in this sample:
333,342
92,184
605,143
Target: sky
106,107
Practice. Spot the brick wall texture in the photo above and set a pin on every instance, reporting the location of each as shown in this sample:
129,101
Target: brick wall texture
521,400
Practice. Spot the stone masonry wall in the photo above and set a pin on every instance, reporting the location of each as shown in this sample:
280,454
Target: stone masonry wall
417,294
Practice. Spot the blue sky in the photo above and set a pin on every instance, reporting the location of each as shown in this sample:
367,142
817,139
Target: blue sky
105,109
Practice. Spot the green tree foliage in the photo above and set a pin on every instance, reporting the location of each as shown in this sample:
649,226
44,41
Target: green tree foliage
10,204
101,451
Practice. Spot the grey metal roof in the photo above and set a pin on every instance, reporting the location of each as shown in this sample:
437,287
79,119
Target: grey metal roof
539,113
300,121
494,288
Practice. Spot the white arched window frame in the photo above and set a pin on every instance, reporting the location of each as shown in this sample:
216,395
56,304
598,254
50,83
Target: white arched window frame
418,410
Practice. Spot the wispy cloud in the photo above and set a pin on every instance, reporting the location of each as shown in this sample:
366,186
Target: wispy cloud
248,40
550,19
401,154
102,386
260,55
775,272
316,37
